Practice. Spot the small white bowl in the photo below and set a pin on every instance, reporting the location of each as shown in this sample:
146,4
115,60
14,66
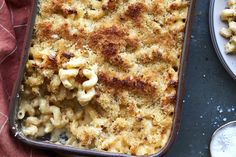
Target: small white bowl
215,25
223,141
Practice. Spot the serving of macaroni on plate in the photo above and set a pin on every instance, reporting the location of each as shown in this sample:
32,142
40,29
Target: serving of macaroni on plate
229,15
103,74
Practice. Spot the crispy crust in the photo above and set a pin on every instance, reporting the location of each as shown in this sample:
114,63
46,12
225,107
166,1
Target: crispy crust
131,83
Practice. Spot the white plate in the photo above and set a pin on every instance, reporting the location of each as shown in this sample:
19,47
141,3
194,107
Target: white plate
228,61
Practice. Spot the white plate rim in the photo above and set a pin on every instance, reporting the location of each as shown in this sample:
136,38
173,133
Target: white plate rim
214,41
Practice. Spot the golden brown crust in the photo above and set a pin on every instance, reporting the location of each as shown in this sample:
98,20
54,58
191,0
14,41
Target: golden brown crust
110,5
130,83
135,11
108,40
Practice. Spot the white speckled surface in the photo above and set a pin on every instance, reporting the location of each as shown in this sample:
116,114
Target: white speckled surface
229,61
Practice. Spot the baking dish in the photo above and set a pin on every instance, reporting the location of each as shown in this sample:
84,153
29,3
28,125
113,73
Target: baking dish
47,145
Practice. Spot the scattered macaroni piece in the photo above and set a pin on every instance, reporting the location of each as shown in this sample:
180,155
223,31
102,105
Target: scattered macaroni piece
229,15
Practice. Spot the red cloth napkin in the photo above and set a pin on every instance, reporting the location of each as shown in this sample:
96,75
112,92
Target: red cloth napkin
13,24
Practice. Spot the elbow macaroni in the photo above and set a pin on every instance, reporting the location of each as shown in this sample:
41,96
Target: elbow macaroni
30,130
88,91
85,97
32,121
51,116
25,108
93,79
67,77
229,15
56,119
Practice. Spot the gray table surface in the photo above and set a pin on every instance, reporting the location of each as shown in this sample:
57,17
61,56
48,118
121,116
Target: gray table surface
210,98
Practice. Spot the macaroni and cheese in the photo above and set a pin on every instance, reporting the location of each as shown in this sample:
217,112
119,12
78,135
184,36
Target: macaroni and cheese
103,74
229,15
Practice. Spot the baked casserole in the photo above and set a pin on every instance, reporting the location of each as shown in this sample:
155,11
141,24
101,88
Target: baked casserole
103,74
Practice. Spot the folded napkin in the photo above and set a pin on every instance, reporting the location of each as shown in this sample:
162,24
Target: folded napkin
13,24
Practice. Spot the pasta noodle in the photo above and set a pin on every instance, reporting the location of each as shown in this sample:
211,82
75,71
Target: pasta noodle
229,15
31,130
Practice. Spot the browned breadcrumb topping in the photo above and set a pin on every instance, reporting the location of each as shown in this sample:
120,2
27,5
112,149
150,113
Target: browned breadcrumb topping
132,83
135,11
136,46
